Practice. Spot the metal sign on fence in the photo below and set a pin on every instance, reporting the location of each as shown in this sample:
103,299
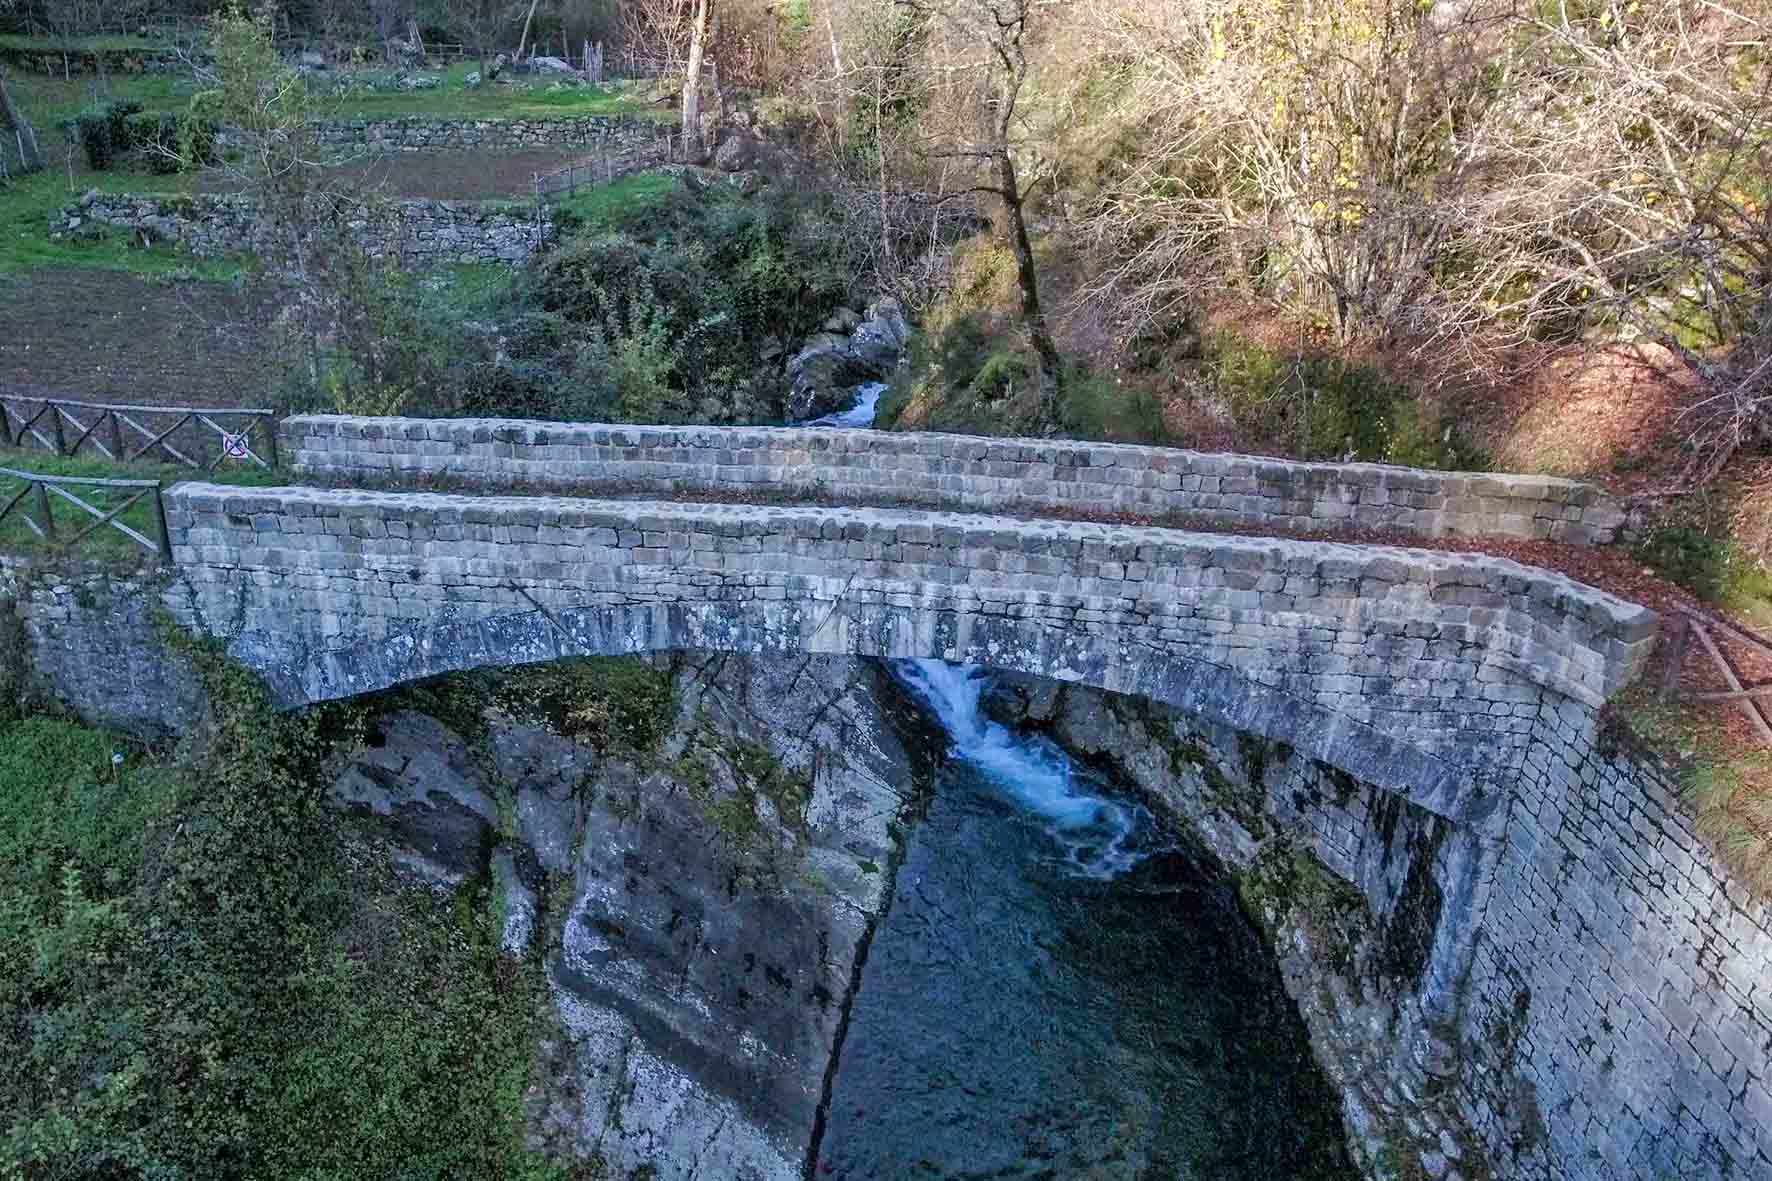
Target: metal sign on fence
129,432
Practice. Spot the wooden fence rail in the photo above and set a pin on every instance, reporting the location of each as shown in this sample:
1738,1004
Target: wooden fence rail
195,437
1754,701
32,505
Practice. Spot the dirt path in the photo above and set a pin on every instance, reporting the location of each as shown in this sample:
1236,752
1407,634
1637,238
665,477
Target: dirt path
97,335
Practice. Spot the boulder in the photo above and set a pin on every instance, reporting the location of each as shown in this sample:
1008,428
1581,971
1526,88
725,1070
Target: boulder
471,81
822,374
420,82
735,153
422,782
552,65
843,320
880,338
851,349
310,60
546,772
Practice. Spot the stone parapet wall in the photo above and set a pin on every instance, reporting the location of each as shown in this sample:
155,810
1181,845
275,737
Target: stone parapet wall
957,471
617,133
1619,1017
417,232
1437,661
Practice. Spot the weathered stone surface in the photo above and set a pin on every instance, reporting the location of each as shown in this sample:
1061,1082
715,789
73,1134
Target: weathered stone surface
720,901
417,232
954,471
421,780
617,133
92,641
1420,670
546,774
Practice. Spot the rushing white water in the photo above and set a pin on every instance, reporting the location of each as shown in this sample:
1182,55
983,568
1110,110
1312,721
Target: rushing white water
867,397
1099,836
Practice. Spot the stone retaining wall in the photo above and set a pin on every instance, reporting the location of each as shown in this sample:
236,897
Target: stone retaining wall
958,471
1620,1018
1416,666
417,232
615,133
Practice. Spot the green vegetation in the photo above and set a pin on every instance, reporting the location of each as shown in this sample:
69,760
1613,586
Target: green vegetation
605,207
977,375
453,100
28,204
16,537
203,973
667,303
614,704
1692,547
1322,406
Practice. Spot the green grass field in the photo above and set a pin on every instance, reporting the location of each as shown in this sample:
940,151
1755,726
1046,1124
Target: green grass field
69,519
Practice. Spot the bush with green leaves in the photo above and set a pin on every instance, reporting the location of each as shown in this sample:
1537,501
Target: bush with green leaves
203,975
679,307
167,142
976,374
1320,406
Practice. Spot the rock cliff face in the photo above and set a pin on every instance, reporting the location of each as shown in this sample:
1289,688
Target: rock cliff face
702,901
1347,882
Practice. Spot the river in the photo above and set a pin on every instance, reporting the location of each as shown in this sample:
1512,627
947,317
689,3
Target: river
1062,990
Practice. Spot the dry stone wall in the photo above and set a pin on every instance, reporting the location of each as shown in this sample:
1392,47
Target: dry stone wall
613,133
1417,668
958,471
416,232
92,640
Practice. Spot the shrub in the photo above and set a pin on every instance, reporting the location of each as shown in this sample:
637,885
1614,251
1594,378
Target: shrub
169,141
678,307
1322,406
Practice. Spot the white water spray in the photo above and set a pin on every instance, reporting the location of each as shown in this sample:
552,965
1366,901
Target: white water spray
867,398
1099,836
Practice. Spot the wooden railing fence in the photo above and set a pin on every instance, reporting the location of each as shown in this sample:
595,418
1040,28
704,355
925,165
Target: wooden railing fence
193,437
32,505
1754,701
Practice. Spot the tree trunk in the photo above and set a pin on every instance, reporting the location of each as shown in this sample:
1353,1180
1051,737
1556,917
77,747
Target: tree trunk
13,119
523,41
1028,279
698,39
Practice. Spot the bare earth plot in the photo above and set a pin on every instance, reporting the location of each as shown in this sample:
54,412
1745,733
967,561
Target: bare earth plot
101,335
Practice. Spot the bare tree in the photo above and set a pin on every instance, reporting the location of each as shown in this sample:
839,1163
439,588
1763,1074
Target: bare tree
698,40
978,80
13,120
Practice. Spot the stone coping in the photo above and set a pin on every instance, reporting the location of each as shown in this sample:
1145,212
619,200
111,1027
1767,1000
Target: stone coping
954,471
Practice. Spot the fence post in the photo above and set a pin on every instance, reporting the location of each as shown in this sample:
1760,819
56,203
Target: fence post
61,439
162,535
117,436
43,507
1676,660
270,425
6,427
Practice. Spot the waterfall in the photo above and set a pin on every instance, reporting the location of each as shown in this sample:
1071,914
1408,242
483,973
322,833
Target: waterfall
867,397
1099,837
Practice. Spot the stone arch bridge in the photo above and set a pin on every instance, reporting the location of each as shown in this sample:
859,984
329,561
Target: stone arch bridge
1566,942
1418,671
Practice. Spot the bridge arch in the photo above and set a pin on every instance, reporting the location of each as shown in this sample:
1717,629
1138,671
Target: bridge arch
1419,672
